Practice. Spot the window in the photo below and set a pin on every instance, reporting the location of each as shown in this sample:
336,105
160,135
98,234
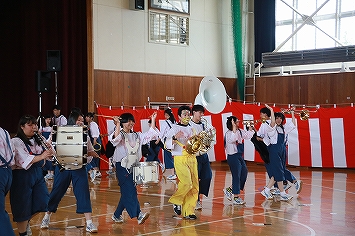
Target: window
181,6
168,29
331,26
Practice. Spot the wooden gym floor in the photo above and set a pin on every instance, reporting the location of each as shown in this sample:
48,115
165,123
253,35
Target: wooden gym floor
326,206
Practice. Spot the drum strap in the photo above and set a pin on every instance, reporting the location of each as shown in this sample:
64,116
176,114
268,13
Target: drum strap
12,156
41,163
132,156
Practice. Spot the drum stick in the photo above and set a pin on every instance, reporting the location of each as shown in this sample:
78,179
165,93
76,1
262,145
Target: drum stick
108,116
105,116
102,159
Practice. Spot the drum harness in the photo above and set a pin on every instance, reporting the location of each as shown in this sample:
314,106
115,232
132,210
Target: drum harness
132,158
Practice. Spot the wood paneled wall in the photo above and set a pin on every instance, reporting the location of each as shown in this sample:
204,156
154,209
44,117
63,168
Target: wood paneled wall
115,88
308,89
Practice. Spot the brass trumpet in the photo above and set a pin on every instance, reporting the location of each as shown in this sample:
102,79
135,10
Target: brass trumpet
251,123
304,114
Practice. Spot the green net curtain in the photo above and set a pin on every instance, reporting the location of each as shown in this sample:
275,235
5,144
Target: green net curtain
238,45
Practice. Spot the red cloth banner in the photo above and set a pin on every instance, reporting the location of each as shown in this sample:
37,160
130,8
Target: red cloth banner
324,140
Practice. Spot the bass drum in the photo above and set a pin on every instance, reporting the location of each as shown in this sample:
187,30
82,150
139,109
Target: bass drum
146,172
70,143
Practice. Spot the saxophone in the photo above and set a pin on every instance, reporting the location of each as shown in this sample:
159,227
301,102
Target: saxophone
201,142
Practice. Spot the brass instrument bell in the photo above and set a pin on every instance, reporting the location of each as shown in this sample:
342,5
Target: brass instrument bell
304,114
202,141
193,145
251,123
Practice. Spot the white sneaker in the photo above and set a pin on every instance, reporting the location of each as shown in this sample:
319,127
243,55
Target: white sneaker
28,229
238,201
171,177
267,195
98,174
92,175
298,186
275,191
162,167
91,228
198,205
287,186
286,197
45,223
117,220
142,217
49,176
228,193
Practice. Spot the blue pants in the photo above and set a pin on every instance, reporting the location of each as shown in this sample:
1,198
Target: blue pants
48,166
168,160
79,179
5,183
288,175
204,174
239,172
129,198
153,154
28,193
275,167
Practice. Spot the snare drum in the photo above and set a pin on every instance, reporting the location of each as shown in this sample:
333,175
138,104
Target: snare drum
70,143
146,172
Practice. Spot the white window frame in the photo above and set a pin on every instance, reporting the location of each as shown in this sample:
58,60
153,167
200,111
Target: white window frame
166,28
296,20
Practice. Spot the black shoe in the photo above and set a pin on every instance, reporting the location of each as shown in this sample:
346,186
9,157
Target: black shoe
190,217
177,209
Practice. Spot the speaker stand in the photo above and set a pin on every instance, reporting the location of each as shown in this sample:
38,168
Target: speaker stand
56,87
39,118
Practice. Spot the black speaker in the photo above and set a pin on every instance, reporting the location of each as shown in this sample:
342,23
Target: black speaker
54,60
136,4
43,81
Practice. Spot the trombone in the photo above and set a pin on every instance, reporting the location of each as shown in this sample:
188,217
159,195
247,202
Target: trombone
304,114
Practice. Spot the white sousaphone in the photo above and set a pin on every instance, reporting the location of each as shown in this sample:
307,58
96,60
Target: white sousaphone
212,96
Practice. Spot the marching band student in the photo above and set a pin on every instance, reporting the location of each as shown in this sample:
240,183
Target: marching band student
154,147
46,127
79,180
109,151
265,115
274,137
6,161
28,194
184,199
234,147
165,127
288,127
94,133
203,163
45,130
58,119
128,145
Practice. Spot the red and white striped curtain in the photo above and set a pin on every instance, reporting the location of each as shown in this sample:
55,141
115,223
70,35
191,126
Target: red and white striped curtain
324,140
